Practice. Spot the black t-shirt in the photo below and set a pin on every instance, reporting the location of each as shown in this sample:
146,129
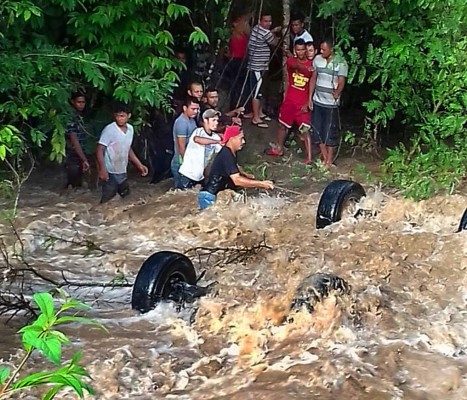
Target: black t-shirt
224,165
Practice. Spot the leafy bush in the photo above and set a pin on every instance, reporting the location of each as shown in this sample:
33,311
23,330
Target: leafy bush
121,49
41,336
411,56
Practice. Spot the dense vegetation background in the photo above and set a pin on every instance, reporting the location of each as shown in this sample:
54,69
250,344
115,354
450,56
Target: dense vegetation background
407,59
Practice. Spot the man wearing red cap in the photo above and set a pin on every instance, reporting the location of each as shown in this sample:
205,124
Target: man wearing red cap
226,173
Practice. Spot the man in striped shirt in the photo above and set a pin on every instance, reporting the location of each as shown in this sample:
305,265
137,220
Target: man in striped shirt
326,87
261,38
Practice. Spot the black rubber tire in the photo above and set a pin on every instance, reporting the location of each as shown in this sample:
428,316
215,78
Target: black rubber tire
334,198
152,284
463,223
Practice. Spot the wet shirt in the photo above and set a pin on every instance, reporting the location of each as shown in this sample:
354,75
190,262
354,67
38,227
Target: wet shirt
197,156
76,126
224,165
117,147
327,79
258,48
299,75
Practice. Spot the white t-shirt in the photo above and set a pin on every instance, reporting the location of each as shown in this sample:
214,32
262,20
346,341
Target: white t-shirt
306,36
197,156
117,147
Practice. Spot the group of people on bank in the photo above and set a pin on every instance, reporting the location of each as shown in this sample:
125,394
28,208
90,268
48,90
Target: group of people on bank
206,140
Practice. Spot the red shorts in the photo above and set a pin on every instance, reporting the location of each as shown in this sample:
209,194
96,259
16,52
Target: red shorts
290,112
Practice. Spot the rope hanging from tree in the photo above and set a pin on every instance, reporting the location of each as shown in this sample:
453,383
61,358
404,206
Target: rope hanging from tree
218,44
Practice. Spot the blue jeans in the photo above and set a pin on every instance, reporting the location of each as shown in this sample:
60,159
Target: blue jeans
205,200
180,181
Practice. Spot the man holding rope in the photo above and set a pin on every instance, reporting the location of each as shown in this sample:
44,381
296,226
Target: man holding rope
259,52
226,173
326,87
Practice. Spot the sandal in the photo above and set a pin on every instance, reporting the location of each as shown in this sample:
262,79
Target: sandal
260,124
266,118
271,151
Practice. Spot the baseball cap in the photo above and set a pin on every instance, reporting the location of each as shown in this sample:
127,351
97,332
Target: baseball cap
211,113
230,132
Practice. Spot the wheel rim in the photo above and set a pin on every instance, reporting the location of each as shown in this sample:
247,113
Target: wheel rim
349,207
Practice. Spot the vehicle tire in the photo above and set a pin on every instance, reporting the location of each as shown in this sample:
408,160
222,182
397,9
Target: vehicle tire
157,274
313,289
463,223
335,199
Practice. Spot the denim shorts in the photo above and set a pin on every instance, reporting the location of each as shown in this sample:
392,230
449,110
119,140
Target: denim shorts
205,199
325,125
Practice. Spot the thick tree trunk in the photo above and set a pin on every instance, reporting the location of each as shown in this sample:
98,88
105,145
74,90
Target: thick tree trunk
286,34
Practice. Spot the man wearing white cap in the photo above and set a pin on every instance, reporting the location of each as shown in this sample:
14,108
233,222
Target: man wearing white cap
226,173
204,142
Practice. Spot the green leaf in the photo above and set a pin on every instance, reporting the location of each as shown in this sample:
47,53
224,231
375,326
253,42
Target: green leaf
76,304
51,348
4,373
32,380
52,392
31,337
74,383
45,303
60,336
198,36
27,15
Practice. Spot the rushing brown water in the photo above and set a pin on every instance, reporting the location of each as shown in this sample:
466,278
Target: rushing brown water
400,334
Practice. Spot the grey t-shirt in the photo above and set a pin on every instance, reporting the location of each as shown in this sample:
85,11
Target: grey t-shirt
117,147
183,128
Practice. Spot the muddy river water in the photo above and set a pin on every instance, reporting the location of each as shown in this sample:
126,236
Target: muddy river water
400,334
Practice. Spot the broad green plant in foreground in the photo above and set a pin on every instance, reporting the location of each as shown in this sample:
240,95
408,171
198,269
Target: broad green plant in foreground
43,337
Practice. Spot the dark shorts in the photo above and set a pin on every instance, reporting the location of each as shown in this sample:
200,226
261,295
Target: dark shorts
117,183
74,173
325,125
255,81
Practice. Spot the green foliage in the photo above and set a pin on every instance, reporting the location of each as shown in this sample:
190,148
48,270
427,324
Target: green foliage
42,336
121,49
411,56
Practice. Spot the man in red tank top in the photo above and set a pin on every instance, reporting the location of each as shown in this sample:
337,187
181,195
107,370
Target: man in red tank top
294,108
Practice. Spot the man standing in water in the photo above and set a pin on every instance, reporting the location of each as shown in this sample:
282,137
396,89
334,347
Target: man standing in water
113,152
294,108
226,173
184,126
326,87
203,144
76,160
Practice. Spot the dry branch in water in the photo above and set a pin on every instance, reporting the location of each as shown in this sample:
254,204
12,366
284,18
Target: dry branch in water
19,277
227,255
